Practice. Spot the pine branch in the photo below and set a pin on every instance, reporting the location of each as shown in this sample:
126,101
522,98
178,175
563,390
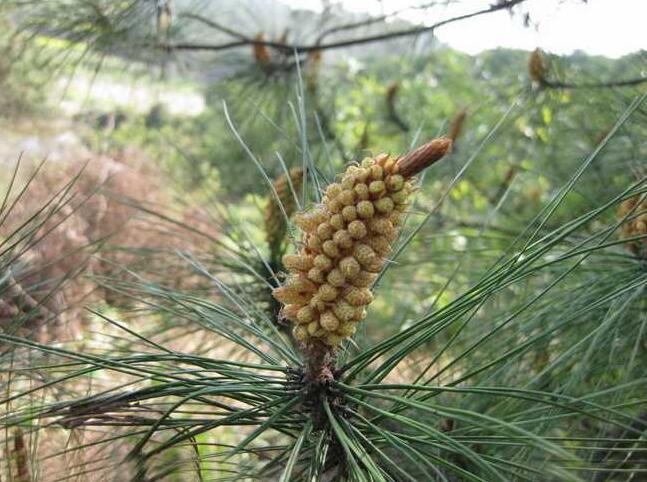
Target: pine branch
592,85
243,40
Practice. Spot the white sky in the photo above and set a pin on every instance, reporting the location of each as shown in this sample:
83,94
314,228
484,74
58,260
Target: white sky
606,27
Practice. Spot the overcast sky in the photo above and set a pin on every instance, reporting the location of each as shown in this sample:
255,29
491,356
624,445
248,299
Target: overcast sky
607,27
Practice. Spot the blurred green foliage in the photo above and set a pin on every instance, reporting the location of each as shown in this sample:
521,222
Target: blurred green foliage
23,74
347,116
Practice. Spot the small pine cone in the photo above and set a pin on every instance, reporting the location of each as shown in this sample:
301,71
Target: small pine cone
336,278
380,244
286,295
328,292
346,240
364,279
291,312
316,274
358,296
313,242
636,224
382,227
537,67
309,221
361,191
337,220
347,330
365,209
329,321
357,229
343,310
349,267
305,315
333,339
275,223
301,333
298,262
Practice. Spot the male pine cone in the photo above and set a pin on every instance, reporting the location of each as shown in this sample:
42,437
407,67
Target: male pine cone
287,187
345,244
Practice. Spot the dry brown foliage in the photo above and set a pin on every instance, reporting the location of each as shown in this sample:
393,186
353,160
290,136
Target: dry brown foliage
98,233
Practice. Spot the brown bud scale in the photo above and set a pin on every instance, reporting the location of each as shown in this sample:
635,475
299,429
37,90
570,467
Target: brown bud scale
635,225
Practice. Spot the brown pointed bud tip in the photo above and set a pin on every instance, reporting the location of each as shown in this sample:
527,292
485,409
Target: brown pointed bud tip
423,157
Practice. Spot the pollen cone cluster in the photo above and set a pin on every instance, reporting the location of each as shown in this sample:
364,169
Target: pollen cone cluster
275,222
635,225
346,241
